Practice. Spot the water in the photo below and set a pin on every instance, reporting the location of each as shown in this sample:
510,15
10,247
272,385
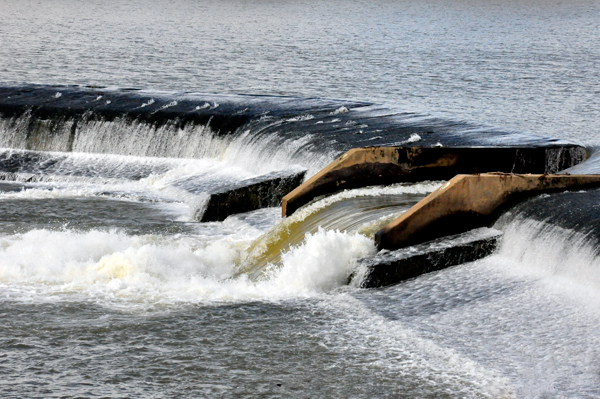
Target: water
525,65
110,288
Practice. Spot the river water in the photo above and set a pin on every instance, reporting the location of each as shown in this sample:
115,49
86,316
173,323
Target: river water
109,288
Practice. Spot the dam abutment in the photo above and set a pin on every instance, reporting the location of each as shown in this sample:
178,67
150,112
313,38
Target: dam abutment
470,201
436,228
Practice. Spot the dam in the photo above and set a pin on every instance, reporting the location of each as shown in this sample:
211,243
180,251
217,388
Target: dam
146,197
149,151
220,156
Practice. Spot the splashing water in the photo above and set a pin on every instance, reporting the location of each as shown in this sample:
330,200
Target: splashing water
113,267
313,251
360,210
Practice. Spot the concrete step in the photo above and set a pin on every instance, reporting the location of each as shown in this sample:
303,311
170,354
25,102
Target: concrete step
392,267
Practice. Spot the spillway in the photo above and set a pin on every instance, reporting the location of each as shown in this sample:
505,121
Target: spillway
99,195
361,211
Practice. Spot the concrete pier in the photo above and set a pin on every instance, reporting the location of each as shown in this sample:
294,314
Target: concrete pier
251,194
470,201
368,166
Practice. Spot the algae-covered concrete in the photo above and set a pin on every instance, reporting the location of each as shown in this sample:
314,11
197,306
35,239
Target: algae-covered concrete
248,195
391,267
367,166
470,201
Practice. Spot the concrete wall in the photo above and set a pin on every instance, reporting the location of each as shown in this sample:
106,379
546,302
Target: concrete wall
391,267
248,195
470,201
368,166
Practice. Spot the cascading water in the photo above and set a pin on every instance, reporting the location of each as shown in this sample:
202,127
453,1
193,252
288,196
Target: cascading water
361,211
109,288
98,211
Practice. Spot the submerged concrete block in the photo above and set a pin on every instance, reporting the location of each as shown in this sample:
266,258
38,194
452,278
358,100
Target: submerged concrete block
251,194
391,267
369,166
470,201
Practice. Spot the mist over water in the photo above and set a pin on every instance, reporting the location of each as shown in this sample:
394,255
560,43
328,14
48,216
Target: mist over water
109,286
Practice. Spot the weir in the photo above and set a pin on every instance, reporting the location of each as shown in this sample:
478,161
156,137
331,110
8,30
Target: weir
261,134
184,124
261,138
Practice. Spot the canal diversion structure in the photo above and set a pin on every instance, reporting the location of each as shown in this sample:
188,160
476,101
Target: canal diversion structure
218,156
147,197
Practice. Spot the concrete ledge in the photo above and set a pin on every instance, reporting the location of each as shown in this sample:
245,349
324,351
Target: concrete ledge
391,267
251,194
470,201
368,166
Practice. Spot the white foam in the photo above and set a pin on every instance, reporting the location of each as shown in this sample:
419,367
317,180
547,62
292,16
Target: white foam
150,102
323,262
413,138
301,118
204,106
114,267
560,256
340,110
64,179
49,193
169,105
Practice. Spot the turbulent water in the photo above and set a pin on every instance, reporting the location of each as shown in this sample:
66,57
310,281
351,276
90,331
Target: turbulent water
110,288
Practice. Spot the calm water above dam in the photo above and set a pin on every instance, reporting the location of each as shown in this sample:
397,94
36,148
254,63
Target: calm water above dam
110,288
